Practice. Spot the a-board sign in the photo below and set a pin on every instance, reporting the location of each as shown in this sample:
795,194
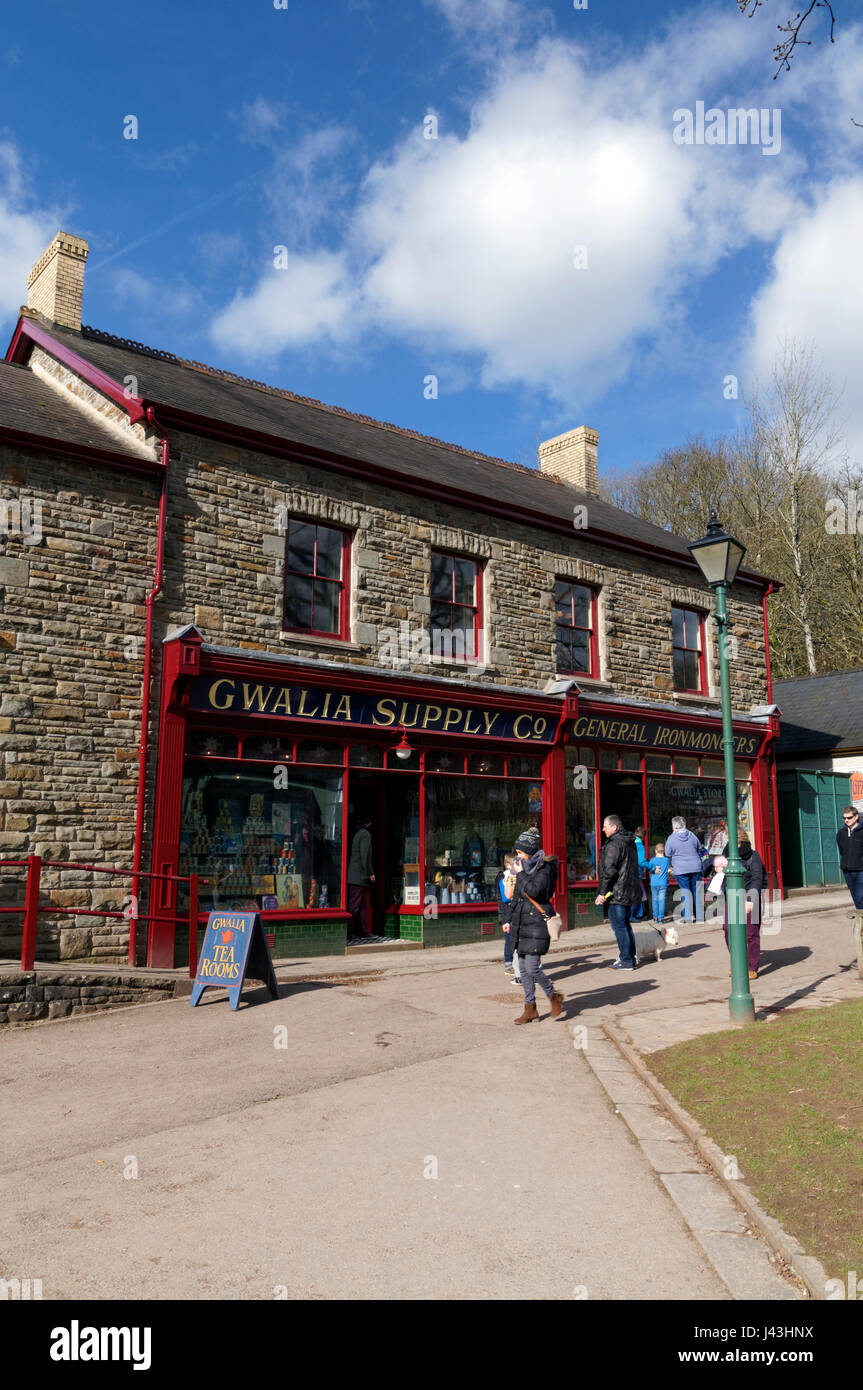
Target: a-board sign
234,946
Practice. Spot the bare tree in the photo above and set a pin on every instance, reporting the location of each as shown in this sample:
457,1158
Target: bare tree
792,28
793,421
772,485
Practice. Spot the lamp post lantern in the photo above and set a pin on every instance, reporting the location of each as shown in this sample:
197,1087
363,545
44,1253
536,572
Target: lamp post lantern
718,556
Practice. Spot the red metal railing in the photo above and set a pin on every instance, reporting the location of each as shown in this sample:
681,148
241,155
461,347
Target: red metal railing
32,906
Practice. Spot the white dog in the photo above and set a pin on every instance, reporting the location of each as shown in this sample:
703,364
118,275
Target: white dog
651,941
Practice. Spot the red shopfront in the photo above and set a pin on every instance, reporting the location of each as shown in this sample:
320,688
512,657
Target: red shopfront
265,767
634,763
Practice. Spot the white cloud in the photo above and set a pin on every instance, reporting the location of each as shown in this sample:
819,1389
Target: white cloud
310,301
814,294
25,231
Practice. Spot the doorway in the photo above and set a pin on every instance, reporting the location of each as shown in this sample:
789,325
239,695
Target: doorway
620,794
391,800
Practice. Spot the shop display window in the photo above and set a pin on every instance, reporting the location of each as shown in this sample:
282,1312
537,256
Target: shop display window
685,767
262,846
580,818
630,762
657,762
464,816
702,805
211,743
316,752
524,767
444,762
269,748
365,755
486,764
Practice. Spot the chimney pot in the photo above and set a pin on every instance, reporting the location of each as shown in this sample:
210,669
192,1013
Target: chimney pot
55,285
573,458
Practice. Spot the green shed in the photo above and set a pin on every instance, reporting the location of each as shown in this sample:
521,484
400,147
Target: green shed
810,812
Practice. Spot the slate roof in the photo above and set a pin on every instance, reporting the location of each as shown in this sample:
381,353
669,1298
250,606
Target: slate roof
164,379
33,407
192,387
820,714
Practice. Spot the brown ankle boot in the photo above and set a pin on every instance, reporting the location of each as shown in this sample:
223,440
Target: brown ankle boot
529,1015
556,1002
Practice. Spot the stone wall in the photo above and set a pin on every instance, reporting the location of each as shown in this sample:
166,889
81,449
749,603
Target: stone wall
73,654
26,997
226,571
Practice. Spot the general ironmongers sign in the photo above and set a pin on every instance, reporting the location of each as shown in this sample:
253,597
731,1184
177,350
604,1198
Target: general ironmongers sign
228,695
679,738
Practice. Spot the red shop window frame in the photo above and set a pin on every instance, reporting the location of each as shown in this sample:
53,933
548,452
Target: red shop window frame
593,646
477,607
701,688
343,633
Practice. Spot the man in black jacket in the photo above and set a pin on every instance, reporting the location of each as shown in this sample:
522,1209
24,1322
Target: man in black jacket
850,842
620,886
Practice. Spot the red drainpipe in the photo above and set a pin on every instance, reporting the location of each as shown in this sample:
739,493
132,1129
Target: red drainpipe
771,588
145,691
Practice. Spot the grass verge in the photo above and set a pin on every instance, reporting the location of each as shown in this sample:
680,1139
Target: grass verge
786,1100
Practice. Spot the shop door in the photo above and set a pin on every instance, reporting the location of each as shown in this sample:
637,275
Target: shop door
367,800
620,795
391,799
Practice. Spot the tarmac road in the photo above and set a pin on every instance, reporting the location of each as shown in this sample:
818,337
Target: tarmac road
308,1171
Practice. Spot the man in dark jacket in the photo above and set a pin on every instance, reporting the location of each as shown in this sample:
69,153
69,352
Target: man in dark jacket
360,877
528,925
850,842
619,886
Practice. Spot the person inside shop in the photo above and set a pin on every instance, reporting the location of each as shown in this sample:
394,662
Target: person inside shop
619,887
685,851
360,878
754,881
531,907
850,841
472,854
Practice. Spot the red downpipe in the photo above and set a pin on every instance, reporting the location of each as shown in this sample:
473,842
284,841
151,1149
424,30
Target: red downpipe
145,691
771,588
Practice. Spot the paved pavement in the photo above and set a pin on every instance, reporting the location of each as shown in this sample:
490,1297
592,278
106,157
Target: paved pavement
407,1142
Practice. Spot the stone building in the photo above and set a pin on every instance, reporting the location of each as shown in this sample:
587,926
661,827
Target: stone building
235,620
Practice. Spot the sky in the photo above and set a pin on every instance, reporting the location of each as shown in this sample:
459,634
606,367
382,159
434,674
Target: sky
480,219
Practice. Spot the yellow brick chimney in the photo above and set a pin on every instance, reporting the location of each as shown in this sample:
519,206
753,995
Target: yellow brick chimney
55,285
573,458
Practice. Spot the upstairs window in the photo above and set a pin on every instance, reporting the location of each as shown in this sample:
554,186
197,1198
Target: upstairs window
687,642
316,568
575,610
456,607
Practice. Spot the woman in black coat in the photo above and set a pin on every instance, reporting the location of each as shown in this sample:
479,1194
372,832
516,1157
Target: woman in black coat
530,936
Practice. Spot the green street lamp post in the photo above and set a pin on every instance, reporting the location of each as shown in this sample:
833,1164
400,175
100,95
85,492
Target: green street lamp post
718,556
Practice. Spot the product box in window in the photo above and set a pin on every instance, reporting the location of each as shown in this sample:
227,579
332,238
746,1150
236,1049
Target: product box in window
289,890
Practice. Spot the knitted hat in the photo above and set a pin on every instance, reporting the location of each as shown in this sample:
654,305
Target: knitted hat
529,840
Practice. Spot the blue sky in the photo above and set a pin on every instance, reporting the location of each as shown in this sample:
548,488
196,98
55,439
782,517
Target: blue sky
453,256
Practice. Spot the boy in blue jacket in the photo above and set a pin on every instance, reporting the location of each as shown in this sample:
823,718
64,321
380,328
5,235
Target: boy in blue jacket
658,866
